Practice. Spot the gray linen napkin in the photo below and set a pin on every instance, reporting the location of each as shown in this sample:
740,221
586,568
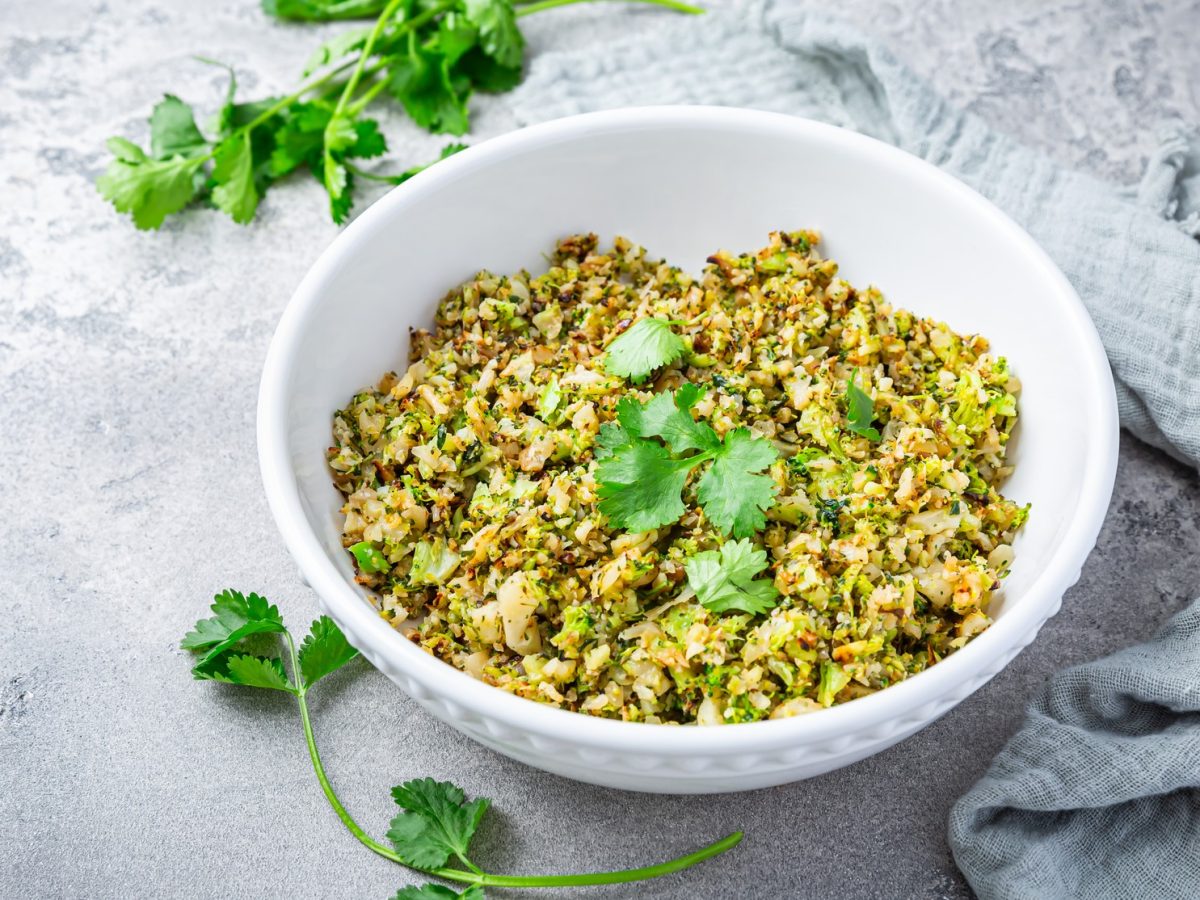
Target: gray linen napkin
1131,254
1098,796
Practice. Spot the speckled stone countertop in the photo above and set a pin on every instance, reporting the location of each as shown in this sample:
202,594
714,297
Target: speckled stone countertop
129,493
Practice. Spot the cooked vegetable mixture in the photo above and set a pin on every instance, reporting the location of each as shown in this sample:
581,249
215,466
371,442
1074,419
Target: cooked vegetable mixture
633,493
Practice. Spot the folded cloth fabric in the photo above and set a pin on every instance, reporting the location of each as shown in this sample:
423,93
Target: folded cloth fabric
1131,254
1098,794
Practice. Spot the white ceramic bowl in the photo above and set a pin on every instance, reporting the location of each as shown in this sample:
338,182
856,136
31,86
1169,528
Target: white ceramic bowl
685,181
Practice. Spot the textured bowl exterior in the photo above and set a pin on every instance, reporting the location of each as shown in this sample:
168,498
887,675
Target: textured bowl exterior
308,346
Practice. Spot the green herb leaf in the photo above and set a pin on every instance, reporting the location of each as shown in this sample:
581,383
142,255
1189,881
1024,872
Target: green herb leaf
725,581
733,496
421,81
149,190
669,418
324,650
439,892
337,47
456,34
485,74
861,410
499,35
126,151
300,140
609,439
234,191
438,822
369,141
648,345
640,486
323,10
250,671
235,616
173,130
640,482
338,185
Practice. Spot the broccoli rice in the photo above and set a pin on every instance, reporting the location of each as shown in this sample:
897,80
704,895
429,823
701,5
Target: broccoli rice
474,483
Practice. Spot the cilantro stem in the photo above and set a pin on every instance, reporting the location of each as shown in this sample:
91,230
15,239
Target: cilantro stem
528,9
405,27
375,176
318,766
622,877
476,875
367,96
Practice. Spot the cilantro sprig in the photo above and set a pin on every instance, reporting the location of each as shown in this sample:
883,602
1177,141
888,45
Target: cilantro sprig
726,580
643,470
429,56
433,829
861,410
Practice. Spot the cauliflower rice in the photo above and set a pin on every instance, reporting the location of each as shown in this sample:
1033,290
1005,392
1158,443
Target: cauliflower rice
471,492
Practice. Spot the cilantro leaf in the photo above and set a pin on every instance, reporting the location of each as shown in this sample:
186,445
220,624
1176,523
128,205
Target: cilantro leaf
323,10
437,822
421,81
640,486
733,496
300,139
485,74
640,482
439,892
173,130
499,35
337,47
669,418
610,437
325,650
648,345
126,151
234,191
338,185
368,140
725,580
148,189
235,616
456,35
250,671
862,410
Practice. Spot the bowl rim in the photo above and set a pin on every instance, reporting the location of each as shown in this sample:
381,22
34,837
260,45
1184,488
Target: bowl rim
970,666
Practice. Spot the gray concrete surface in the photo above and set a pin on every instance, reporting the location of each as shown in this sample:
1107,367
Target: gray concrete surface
129,493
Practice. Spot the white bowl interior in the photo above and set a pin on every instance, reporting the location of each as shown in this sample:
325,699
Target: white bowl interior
684,190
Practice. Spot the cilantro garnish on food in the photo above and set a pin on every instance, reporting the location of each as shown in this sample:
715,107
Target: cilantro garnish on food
642,472
570,538
649,344
433,830
861,410
429,57
725,580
